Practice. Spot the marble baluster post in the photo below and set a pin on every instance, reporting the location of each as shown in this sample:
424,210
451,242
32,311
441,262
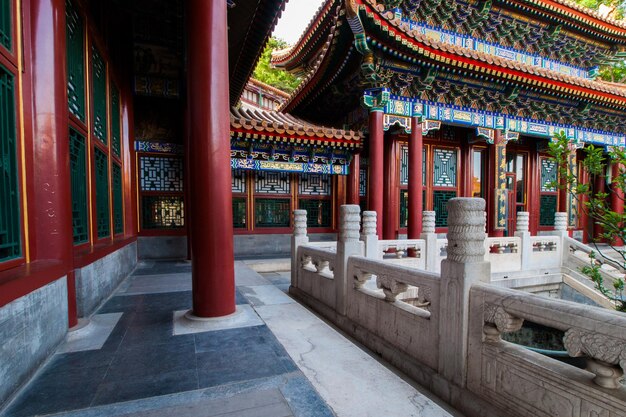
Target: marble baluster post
348,245
430,239
298,238
526,246
369,237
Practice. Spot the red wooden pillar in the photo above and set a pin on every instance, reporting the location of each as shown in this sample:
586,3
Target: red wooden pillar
212,256
51,218
352,195
497,184
599,187
617,198
391,191
416,145
375,180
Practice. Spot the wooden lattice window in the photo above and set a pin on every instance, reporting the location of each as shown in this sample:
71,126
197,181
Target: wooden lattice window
115,121
548,198
75,61
102,193
314,196
6,24
118,199
10,223
78,172
444,183
99,95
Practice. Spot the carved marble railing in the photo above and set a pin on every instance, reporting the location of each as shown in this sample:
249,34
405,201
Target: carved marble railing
545,252
504,253
316,273
441,253
331,246
530,384
404,302
410,252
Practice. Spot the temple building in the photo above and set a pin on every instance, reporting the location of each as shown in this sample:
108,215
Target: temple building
461,98
126,135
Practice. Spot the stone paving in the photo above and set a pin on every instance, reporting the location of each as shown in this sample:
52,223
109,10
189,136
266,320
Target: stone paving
131,361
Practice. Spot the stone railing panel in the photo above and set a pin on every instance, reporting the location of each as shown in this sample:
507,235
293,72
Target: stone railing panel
545,252
504,253
408,252
315,273
404,310
525,383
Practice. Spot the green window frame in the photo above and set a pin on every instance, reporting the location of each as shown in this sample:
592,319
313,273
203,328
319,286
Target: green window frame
78,176
115,120
99,95
162,212
319,211
10,221
102,193
239,212
272,212
118,199
6,24
75,38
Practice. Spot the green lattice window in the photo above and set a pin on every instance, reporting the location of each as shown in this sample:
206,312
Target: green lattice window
10,239
272,212
440,199
6,30
318,212
115,120
118,199
444,171
404,208
78,170
75,61
239,213
547,209
99,95
162,212
548,174
404,165
102,193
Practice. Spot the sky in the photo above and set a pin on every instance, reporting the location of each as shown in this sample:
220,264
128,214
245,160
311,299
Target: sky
295,19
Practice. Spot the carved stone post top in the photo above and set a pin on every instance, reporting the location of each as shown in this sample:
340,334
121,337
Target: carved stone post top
369,223
466,230
299,223
428,222
349,219
560,221
523,219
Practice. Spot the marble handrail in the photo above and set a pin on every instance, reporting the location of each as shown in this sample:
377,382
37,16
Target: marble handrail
596,333
320,261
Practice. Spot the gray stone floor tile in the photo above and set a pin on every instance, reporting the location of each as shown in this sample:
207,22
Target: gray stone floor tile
93,335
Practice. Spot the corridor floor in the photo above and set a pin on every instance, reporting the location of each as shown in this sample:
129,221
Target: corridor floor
138,358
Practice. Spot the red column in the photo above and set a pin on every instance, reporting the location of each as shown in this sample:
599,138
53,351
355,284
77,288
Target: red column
416,145
352,195
391,191
212,257
495,183
599,187
51,218
617,199
375,180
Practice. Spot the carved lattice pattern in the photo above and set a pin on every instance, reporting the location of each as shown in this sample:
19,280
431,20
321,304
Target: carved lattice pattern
238,181
162,212
102,193
440,199
548,175
118,202
115,120
239,213
404,165
314,184
272,183
99,95
78,176
547,209
10,240
318,212
444,168
404,208
6,31
75,61
272,212
362,182
161,174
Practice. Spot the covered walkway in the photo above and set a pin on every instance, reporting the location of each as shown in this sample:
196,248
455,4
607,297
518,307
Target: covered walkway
138,357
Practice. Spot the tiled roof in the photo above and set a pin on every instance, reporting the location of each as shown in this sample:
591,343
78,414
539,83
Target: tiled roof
286,126
389,21
269,88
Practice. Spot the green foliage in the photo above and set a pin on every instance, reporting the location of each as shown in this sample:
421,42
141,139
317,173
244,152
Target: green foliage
615,72
595,204
273,76
618,7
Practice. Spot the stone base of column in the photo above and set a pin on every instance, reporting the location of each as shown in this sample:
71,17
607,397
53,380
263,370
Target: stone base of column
185,322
